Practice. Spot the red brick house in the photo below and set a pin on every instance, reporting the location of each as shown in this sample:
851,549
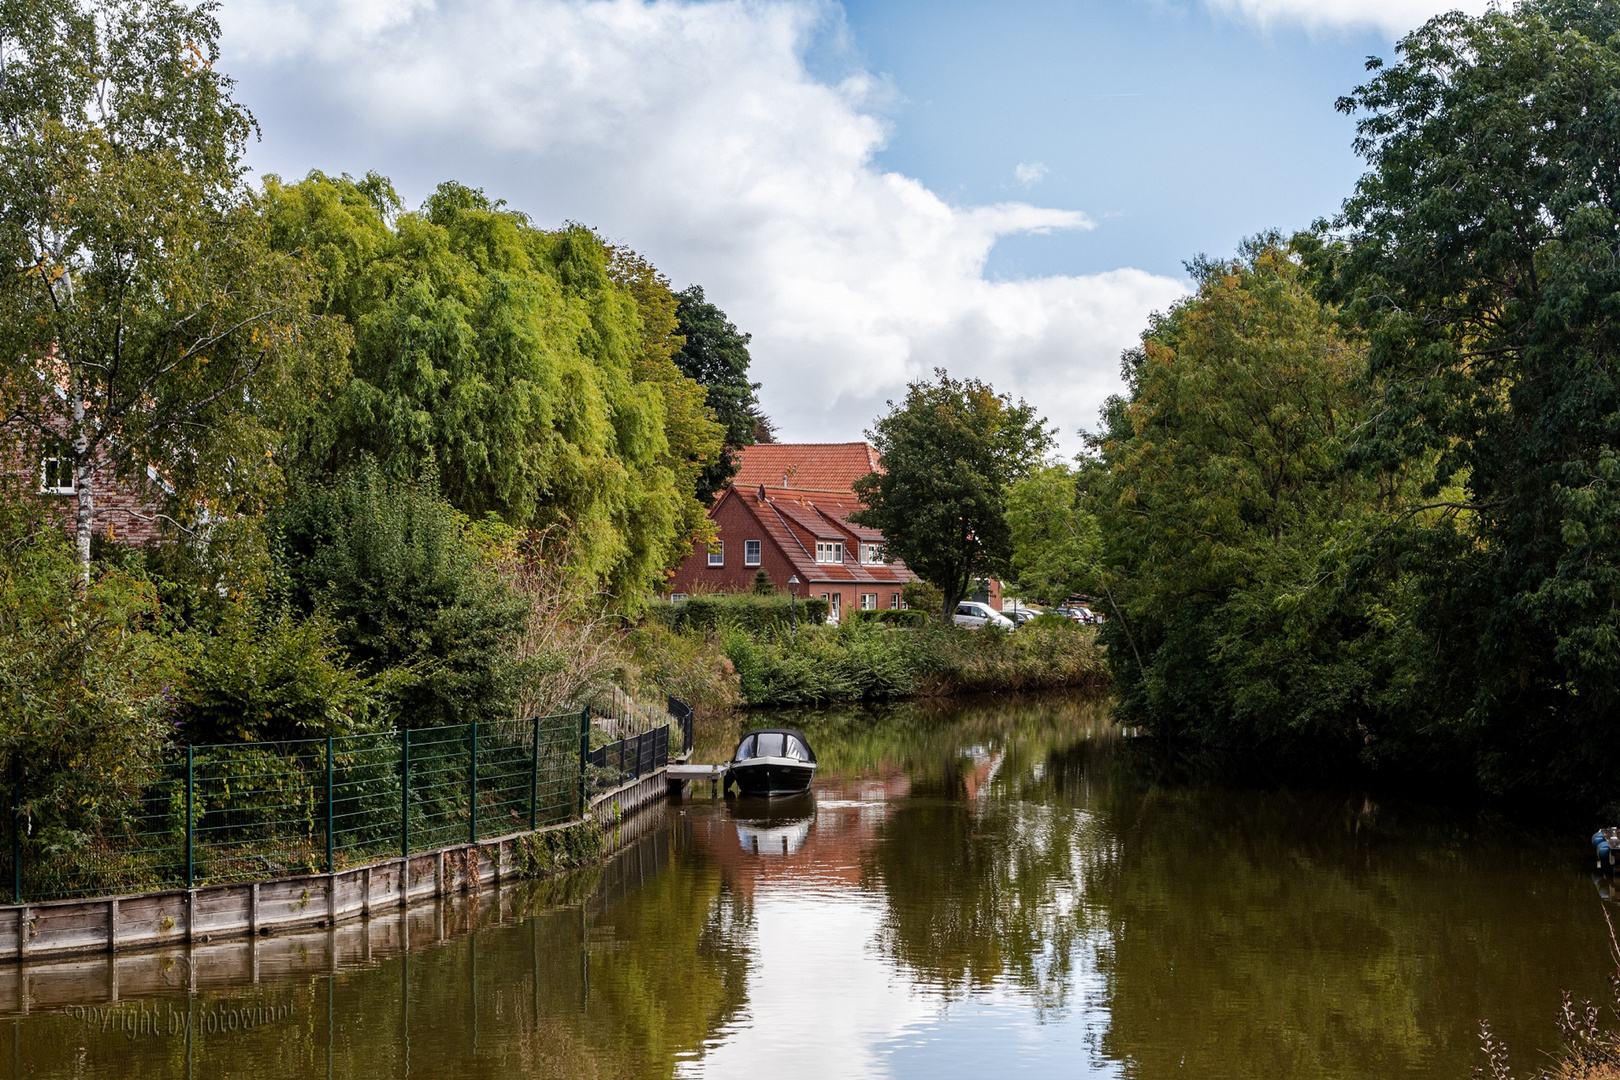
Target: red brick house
787,513
128,512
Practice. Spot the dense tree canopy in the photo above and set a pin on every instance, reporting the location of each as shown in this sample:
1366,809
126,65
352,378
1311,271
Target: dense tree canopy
715,353
1054,537
1230,524
144,320
532,369
1478,256
951,449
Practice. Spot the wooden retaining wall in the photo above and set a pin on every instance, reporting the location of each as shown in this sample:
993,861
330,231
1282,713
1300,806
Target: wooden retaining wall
218,912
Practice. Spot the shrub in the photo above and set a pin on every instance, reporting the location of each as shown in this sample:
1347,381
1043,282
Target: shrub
862,659
1036,657
685,664
86,681
272,676
747,611
904,617
395,567
845,663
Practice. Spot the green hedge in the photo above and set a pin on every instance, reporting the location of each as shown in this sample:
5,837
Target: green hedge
905,617
745,611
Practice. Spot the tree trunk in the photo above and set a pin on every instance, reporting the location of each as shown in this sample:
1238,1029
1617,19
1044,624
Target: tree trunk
84,474
84,490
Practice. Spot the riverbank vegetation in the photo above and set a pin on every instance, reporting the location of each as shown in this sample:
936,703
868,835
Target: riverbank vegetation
1355,512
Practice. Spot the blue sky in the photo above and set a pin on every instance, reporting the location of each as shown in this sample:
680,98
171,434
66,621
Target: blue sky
873,189
1177,128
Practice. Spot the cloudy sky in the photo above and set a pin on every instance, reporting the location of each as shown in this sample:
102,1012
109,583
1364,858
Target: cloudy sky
872,189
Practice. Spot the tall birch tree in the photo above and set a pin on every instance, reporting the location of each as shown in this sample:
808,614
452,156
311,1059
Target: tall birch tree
147,330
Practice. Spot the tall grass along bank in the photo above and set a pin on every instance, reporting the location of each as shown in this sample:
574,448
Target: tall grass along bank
862,660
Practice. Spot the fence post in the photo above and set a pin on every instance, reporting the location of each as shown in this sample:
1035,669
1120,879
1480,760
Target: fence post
329,814
534,777
16,827
584,753
405,798
191,816
472,817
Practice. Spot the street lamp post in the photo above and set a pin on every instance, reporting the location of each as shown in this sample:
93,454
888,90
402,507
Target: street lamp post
793,616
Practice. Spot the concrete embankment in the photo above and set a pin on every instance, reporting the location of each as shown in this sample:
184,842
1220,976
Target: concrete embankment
207,914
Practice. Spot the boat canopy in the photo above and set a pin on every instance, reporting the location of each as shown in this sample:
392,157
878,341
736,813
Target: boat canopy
775,742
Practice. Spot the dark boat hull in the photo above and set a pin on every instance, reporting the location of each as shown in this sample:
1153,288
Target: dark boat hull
768,778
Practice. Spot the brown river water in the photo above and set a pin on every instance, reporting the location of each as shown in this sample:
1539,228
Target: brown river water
974,889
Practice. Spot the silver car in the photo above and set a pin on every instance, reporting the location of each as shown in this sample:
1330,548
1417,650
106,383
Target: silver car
976,616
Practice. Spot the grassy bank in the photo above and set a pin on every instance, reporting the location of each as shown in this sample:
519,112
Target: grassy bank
863,660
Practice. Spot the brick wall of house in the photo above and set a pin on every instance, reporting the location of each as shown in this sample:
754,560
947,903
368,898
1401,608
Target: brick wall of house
736,524
125,512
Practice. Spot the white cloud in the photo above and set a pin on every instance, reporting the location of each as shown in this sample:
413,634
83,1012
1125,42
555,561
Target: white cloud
1392,16
694,133
1030,172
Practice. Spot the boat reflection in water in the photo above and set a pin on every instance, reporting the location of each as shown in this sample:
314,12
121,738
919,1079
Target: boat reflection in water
774,826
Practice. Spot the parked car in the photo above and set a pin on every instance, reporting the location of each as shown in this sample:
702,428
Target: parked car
1020,616
977,616
1079,613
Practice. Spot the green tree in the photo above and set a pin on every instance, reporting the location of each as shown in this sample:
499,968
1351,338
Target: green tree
950,452
1478,257
715,354
395,569
696,440
262,673
1233,535
531,369
1055,542
143,318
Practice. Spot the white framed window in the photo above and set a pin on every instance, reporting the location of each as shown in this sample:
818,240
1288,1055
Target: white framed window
676,597
717,554
832,605
873,554
868,601
894,601
751,552
829,551
56,470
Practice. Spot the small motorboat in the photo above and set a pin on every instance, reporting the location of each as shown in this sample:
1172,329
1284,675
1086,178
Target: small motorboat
770,762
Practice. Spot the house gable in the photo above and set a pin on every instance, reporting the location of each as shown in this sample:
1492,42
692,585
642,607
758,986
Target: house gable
787,525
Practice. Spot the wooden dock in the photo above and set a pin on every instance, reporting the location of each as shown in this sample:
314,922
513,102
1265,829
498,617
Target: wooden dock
681,775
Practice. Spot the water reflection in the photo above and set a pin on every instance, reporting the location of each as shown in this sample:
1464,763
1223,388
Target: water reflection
998,888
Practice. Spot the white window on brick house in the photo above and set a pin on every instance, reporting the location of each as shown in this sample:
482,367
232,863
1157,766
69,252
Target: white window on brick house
894,601
873,555
717,554
56,470
868,601
829,551
676,597
750,552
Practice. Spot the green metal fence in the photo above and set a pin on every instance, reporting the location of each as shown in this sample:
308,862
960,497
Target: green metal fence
248,811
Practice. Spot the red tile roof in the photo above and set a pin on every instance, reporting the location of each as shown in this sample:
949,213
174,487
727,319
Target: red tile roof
794,521
826,467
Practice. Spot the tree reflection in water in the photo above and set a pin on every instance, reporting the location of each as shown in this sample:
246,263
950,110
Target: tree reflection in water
1001,887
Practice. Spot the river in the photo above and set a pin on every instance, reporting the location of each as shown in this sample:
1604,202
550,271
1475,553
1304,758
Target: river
973,889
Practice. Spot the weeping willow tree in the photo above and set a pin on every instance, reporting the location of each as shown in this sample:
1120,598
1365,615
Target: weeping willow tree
531,369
